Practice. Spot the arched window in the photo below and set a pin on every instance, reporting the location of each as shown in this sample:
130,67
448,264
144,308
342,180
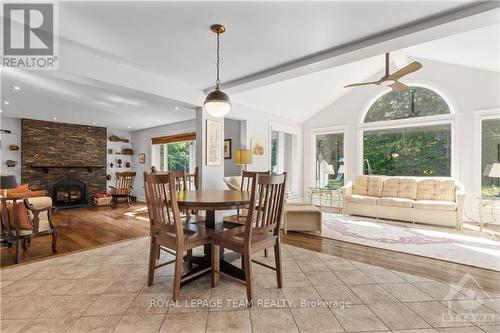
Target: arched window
411,103
395,144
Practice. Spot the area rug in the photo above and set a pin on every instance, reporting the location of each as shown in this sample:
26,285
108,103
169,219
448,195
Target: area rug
473,248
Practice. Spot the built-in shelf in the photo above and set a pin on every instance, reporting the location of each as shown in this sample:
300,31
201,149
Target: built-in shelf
45,167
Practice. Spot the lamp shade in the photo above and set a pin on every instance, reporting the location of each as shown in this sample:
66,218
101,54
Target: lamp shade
7,182
217,103
495,171
242,157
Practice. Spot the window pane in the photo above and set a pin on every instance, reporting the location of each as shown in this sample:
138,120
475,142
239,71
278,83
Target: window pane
411,103
274,151
330,160
411,151
490,153
180,155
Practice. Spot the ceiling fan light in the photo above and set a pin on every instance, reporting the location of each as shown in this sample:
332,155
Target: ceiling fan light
217,103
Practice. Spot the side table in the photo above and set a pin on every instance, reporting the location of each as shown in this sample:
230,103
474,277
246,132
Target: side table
487,207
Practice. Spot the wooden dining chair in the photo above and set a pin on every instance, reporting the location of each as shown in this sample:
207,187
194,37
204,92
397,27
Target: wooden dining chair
167,229
123,188
239,219
261,230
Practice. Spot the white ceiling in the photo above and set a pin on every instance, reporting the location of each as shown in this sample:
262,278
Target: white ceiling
302,97
173,39
85,101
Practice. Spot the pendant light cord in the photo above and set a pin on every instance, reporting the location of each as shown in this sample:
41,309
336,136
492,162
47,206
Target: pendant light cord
218,62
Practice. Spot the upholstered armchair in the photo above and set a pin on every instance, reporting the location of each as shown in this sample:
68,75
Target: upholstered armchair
25,219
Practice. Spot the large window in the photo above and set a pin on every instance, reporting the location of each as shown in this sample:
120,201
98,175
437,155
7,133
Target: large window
329,160
395,148
490,154
174,152
177,156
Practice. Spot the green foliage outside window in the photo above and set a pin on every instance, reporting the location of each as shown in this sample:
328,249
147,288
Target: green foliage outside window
411,103
409,151
490,153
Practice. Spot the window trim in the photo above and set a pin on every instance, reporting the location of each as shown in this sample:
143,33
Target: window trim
451,118
479,116
342,129
279,127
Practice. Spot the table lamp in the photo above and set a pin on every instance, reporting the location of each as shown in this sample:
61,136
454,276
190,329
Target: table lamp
494,172
242,157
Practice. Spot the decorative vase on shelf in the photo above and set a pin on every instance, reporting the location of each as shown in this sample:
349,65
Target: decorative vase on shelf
127,165
119,162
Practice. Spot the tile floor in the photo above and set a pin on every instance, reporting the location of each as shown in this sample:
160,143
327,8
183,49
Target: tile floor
104,290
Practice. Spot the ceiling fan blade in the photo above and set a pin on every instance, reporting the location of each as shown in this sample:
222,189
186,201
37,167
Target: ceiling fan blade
413,67
398,86
361,84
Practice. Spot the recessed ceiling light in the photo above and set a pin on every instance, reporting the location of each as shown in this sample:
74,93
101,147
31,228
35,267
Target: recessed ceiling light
176,108
128,127
6,102
1,111
54,118
16,88
93,123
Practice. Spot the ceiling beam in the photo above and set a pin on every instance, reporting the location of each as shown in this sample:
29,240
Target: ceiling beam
431,28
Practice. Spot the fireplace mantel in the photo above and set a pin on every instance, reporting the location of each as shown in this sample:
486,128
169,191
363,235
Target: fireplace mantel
46,167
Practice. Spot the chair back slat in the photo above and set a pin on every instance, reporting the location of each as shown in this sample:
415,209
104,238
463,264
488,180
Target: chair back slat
125,181
247,179
266,211
161,199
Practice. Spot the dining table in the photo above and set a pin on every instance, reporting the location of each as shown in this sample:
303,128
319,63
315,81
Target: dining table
212,201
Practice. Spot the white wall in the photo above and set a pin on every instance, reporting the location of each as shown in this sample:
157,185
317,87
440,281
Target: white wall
258,126
141,143
232,131
13,125
467,89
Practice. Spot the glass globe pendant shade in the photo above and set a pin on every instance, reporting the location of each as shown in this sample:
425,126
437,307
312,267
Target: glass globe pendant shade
217,103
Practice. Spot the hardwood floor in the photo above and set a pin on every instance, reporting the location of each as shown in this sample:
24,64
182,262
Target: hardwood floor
81,229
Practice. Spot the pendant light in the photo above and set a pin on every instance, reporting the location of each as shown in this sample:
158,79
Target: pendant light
217,102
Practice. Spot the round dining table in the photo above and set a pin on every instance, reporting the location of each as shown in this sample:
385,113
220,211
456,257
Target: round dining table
211,201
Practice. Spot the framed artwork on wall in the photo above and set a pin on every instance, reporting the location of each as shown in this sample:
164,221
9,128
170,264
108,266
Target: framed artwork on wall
258,147
227,149
142,158
214,142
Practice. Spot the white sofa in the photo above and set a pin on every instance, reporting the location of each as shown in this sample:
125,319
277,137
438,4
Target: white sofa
431,200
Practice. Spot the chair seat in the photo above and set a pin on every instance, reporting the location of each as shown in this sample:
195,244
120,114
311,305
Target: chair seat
195,234
233,221
233,239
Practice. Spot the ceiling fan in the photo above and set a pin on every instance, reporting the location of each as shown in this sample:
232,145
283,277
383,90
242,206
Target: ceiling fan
392,80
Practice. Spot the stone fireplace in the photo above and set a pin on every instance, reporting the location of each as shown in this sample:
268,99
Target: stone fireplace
67,160
69,193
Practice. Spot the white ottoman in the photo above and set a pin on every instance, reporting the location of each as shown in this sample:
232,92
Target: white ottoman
302,218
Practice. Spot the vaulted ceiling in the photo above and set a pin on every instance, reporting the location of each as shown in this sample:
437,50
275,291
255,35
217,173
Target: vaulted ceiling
161,55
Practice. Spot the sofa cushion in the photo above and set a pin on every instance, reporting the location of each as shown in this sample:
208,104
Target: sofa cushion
375,185
400,187
436,205
360,185
368,185
436,189
364,199
397,202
